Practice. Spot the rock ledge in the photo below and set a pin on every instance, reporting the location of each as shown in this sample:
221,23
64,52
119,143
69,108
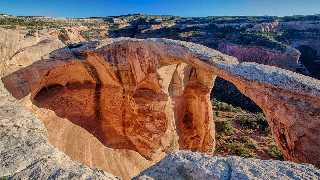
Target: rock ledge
189,165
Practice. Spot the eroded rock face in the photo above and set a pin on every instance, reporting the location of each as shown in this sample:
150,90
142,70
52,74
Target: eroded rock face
129,95
286,60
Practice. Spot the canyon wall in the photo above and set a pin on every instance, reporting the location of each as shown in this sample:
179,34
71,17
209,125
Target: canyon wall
286,60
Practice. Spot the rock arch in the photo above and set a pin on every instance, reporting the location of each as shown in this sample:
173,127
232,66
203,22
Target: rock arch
145,89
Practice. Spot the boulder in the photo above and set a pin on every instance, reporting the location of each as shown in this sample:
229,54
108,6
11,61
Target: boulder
189,165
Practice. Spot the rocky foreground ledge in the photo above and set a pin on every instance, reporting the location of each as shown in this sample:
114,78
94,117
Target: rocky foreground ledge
188,165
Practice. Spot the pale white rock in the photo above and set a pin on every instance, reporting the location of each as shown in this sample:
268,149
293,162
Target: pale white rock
189,165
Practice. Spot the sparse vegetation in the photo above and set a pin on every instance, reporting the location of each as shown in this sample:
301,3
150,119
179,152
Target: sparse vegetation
275,152
27,22
224,127
254,121
93,33
31,32
257,39
222,106
38,23
242,150
242,133
235,146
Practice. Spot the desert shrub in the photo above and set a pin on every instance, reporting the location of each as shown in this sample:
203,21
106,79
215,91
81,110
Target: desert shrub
244,147
241,150
91,34
274,152
247,142
254,121
31,32
63,31
219,149
217,113
224,127
87,34
190,34
222,106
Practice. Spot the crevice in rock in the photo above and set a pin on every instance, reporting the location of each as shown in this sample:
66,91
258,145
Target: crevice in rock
97,97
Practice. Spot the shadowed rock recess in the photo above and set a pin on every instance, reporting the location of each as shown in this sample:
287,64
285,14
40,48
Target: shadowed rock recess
122,104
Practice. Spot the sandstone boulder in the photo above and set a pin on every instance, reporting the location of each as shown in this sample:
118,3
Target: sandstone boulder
188,165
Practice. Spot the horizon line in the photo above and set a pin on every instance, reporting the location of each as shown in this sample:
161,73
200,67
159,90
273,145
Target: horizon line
145,14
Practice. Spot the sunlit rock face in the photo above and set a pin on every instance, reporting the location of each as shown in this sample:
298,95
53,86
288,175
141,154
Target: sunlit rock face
129,95
128,102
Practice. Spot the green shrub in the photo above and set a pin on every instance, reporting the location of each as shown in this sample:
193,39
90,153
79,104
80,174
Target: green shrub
254,121
31,32
247,142
217,114
241,150
222,106
274,152
224,127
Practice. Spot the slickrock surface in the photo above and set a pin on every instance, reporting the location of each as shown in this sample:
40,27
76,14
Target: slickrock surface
18,49
187,165
122,104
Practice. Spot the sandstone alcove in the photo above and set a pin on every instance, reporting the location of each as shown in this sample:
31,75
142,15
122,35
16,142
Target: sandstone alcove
122,105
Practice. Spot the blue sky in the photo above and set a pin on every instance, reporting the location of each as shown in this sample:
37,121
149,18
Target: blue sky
88,8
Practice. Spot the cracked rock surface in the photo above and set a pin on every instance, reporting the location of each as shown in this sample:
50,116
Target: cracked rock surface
189,165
